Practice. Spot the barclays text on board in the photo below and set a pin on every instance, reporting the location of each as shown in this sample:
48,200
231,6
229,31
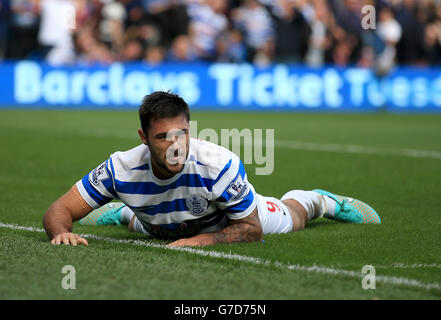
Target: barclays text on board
220,86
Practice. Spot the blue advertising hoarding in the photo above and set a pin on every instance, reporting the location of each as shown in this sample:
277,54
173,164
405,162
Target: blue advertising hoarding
278,87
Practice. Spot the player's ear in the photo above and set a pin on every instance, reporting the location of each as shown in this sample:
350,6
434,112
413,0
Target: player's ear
143,136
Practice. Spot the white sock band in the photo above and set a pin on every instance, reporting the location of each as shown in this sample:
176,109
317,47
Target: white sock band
137,227
126,215
313,202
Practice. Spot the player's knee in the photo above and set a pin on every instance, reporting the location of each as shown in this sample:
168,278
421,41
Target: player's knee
131,226
298,225
298,222
298,214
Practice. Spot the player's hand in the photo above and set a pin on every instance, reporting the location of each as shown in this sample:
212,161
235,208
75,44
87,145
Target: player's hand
186,242
68,238
197,241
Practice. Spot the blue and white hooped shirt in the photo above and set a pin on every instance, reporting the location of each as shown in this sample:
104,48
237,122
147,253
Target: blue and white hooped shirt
212,185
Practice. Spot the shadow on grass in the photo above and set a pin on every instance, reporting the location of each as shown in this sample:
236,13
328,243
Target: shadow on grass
322,223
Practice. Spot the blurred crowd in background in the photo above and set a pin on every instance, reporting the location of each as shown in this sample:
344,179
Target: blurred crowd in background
314,32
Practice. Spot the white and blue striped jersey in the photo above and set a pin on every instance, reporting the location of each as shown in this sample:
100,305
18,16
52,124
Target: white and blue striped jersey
212,186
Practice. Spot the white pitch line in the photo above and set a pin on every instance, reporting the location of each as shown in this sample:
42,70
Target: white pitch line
253,260
326,147
399,265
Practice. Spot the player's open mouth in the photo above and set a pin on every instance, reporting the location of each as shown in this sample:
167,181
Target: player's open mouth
175,161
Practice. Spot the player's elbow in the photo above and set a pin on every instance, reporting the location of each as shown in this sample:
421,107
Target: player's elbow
248,229
259,234
255,233
254,227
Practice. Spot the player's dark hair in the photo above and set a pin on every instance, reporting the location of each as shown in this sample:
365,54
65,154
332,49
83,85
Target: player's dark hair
161,104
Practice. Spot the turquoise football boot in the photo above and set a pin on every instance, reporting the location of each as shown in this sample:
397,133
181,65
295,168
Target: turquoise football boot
108,214
352,210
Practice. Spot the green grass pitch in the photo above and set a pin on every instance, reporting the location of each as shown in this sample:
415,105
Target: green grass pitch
393,162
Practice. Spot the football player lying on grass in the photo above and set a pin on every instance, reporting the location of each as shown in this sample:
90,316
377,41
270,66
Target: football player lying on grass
187,190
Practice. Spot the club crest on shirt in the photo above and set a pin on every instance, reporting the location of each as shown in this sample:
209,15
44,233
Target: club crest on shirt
98,174
237,188
197,204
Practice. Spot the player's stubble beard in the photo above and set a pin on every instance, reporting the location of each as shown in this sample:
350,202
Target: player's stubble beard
162,169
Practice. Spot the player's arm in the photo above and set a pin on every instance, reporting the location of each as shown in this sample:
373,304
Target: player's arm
247,229
59,217
236,197
92,191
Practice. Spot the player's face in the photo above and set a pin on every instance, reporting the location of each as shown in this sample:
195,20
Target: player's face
168,140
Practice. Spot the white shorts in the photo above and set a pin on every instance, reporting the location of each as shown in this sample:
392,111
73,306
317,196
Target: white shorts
274,215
